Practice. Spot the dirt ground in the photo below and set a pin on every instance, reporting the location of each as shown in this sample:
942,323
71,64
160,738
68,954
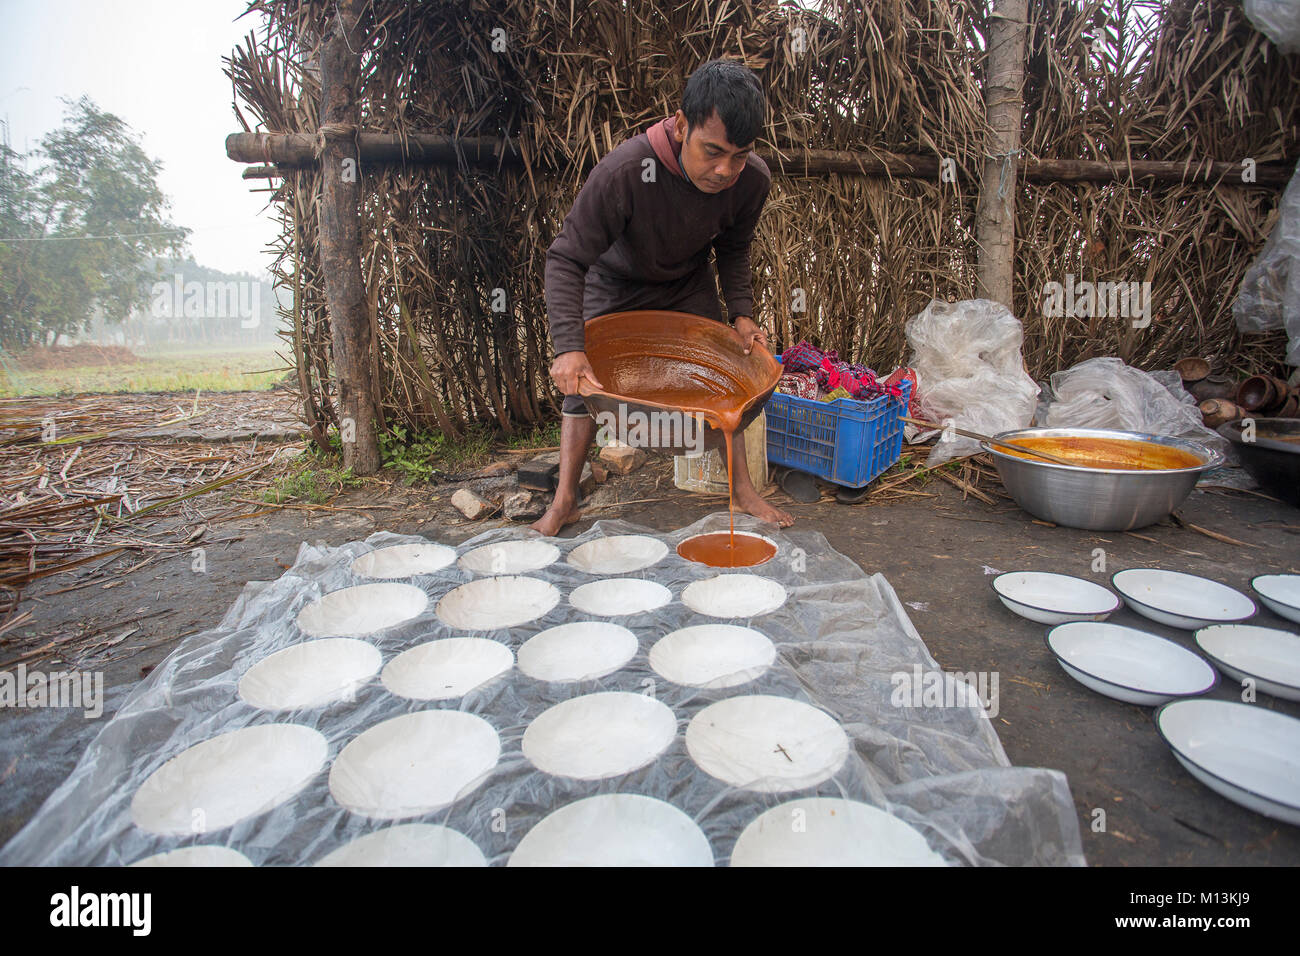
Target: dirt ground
938,553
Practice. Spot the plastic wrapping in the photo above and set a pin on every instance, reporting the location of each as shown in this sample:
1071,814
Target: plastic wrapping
1106,393
969,370
1279,20
1269,297
840,636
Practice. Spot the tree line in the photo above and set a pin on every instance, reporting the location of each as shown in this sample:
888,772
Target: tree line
88,248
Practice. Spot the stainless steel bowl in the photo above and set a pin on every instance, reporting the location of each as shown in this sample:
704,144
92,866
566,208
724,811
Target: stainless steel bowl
1098,499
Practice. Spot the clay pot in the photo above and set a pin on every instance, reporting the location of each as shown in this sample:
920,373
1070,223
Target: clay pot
1192,369
1291,407
1219,411
1259,393
1213,386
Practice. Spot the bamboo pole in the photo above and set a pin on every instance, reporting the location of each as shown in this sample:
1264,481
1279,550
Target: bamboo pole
1004,105
273,153
340,241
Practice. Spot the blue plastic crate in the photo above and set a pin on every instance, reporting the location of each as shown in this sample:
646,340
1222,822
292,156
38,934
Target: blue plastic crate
844,441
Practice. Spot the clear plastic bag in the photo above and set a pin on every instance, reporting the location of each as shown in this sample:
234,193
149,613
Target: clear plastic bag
1106,393
1279,20
1269,297
969,371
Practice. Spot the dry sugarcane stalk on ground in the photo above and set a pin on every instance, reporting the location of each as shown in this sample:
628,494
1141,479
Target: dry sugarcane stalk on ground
76,487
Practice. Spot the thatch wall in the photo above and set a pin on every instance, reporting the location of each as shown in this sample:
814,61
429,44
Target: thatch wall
1168,81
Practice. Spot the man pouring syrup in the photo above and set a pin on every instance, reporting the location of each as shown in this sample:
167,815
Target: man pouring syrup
634,241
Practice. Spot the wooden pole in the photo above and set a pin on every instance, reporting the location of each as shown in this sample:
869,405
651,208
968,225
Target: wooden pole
1004,106
275,152
340,241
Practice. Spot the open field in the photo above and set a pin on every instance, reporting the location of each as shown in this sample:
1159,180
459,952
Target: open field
116,370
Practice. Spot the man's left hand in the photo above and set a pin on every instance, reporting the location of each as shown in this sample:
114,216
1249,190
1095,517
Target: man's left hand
749,333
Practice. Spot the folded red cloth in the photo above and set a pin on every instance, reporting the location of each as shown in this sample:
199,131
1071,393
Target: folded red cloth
803,358
800,384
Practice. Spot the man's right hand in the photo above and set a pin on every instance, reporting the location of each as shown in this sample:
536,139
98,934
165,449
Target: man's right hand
569,369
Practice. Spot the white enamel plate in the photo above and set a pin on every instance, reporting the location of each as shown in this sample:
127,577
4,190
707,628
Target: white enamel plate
1181,600
1269,657
1128,664
1245,752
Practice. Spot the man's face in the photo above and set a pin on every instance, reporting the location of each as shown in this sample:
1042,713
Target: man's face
712,161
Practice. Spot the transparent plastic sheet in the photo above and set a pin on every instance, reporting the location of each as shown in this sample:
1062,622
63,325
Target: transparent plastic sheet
1269,297
840,635
1279,20
1106,393
969,369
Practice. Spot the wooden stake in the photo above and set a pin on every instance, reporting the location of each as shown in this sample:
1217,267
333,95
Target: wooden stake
340,240
1004,105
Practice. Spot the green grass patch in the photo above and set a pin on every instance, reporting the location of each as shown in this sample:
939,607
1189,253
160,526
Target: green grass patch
542,436
252,369
314,479
418,458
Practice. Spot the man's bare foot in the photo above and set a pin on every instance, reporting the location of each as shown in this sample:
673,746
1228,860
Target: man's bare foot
751,502
557,516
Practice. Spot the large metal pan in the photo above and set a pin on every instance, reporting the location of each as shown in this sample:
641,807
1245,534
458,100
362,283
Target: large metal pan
656,362
1098,499
1273,456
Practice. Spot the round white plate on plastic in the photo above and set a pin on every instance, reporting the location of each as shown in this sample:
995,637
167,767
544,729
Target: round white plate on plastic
618,554
495,603
408,844
827,831
734,596
363,609
203,856
414,764
228,778
580,650
447,668
599,735
768,744
616,829
712,655
404,561
619,596
510,557
310,674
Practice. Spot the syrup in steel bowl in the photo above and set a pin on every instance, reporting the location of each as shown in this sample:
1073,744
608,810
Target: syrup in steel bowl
1120,453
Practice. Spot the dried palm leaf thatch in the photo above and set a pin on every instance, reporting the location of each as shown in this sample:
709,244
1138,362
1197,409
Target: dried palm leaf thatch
453,254
1150,80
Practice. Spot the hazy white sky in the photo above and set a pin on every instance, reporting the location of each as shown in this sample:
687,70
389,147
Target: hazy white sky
157,65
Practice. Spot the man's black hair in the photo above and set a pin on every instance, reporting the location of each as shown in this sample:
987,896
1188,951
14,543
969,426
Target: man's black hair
731,89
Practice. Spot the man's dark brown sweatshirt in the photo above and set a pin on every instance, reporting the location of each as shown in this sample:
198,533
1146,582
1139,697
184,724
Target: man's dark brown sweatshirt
639,236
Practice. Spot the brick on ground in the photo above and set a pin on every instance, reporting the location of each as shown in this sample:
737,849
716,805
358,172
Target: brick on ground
472,505
622,458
